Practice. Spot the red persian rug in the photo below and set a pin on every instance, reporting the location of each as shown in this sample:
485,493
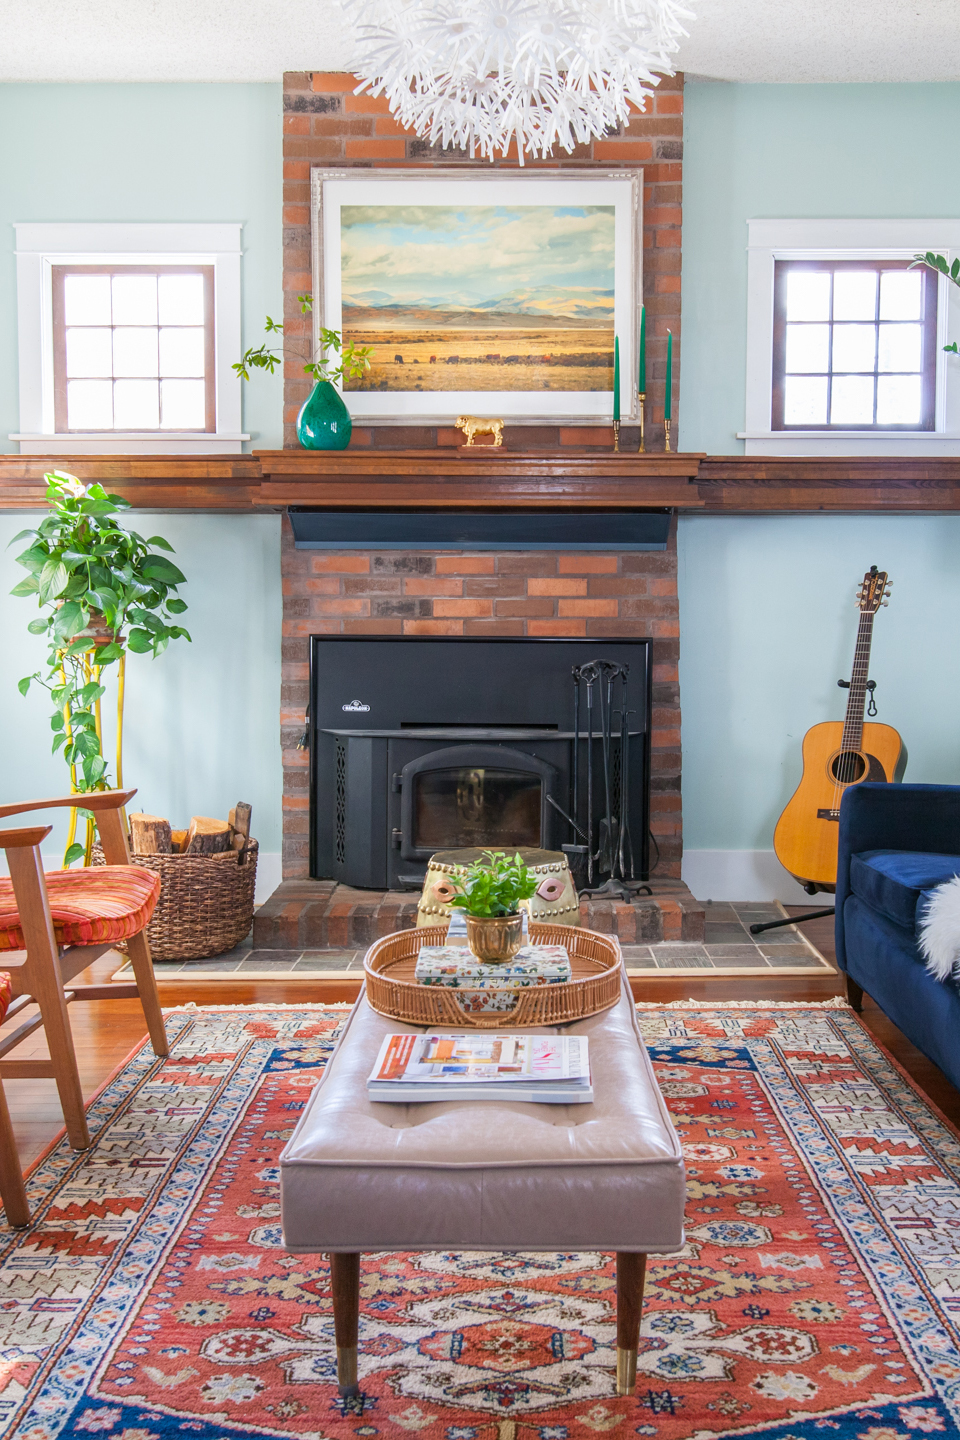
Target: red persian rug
818,1294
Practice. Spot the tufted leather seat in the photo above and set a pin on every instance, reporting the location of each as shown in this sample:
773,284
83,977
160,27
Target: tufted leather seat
361,1175
89,906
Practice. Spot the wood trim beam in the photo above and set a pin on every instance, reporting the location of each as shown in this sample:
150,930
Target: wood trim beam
484,478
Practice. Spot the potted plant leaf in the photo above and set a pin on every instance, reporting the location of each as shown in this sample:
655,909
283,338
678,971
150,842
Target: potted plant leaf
324,421
103,590
939,264
489,895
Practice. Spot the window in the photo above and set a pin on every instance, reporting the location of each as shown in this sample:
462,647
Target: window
854,345
133,348
127,335
844,342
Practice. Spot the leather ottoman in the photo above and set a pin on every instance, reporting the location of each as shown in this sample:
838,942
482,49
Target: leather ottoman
358,1175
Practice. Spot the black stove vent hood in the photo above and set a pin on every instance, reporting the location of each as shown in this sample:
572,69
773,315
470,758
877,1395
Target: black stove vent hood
620,530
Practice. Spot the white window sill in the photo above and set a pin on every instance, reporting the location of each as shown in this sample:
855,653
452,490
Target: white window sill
133,442
850,442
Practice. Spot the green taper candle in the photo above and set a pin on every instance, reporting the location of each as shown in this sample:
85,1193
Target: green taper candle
642,370
616,377
667,397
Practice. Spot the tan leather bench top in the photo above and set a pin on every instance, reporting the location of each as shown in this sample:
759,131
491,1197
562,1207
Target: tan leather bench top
364,1175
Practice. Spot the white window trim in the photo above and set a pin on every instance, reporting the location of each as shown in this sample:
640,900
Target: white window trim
772,240
41,246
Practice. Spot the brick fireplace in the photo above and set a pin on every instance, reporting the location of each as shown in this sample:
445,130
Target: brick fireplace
528,593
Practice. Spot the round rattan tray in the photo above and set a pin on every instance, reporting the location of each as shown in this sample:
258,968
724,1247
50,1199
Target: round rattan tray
392,990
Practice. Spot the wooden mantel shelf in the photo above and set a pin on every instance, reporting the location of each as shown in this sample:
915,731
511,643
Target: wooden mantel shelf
478,477
461,479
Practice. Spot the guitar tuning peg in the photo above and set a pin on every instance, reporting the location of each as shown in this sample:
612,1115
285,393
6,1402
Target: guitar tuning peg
885,603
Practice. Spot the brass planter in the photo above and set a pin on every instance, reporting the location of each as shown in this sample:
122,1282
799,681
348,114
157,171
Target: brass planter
494,939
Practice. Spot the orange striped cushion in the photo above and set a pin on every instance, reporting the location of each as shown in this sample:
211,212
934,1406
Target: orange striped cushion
6,993
104,902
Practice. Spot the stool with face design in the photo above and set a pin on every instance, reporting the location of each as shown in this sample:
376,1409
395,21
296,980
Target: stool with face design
553,903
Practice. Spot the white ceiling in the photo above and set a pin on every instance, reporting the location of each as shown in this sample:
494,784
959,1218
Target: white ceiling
752,40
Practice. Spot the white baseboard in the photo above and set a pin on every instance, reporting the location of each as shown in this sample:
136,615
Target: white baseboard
742,875
269,874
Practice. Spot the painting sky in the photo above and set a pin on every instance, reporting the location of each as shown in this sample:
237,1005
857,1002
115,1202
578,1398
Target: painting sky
475,255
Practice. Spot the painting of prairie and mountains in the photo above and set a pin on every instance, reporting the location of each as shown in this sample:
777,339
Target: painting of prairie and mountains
480,297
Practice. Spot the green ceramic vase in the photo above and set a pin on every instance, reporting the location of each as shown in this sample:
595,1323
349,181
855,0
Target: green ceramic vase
324,421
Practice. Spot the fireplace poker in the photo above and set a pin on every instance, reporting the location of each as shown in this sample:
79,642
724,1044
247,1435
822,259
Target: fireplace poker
569,819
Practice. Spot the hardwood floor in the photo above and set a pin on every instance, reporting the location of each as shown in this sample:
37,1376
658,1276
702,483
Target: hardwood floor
105,1031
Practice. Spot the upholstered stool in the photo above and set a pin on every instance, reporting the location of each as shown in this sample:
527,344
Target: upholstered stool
358,1175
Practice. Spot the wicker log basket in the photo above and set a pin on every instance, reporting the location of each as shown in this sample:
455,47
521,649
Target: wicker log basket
208,875
205,905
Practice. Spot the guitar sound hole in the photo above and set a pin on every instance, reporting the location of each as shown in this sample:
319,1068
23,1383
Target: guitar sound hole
848,767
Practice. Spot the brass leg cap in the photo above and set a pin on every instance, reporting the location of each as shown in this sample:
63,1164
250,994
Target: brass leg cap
626,1371
346,1365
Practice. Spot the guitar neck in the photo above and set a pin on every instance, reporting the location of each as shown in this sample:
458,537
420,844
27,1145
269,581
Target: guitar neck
856,702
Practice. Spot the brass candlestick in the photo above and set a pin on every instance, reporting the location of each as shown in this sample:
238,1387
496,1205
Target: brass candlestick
616,436
642,447
666,427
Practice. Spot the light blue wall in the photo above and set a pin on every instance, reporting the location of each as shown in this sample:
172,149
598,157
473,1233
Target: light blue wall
767,621
202,721
768,624
786,151
147,152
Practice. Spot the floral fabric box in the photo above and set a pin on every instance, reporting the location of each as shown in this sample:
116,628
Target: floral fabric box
486,988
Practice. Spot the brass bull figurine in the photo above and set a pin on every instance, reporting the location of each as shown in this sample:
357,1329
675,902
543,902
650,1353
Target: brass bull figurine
472,426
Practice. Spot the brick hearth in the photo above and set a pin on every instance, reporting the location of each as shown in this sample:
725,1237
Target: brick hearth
319,914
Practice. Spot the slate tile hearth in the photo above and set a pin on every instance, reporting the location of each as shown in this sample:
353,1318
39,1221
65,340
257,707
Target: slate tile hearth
727,945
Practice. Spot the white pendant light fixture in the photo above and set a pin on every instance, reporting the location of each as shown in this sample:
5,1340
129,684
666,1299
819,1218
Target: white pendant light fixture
478,74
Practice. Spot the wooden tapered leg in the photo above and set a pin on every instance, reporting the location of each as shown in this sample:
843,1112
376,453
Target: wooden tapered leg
138,949
855,994
345,1287
631,1274
115,852
12,1190
44,982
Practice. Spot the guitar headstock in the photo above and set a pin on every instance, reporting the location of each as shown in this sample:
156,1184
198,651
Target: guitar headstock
874,590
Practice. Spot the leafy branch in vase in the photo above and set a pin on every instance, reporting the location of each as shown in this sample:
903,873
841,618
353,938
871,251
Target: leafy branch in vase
353,359
941,265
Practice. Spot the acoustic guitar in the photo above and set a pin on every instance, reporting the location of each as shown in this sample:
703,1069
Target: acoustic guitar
835,757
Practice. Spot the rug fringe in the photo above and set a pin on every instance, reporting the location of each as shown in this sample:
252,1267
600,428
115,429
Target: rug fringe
836,1002
263,1005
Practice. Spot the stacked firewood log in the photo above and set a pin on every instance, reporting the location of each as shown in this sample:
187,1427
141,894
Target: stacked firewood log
153,835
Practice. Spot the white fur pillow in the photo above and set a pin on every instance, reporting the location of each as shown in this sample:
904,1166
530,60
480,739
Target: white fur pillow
940,931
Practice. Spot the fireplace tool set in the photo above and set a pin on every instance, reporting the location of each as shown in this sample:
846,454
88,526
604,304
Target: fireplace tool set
605,847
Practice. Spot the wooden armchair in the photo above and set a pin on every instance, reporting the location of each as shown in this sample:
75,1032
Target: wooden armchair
52,926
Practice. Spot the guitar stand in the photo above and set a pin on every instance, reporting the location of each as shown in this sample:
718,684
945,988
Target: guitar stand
792,920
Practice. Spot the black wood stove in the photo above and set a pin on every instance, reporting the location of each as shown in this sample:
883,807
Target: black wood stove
419,745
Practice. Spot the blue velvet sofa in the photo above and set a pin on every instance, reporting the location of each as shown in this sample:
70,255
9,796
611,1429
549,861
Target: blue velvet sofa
896,843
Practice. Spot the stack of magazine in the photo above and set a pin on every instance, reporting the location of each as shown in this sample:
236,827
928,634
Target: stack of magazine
549,1069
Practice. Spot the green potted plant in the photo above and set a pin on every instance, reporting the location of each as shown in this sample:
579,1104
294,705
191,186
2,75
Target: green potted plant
489,894
940,265
324,421
104,591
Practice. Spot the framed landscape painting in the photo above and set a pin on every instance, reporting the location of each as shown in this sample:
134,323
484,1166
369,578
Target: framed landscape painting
482,292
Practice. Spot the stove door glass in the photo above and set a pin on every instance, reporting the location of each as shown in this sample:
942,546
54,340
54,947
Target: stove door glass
486,807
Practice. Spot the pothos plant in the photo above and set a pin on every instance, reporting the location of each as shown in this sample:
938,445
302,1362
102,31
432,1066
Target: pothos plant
351,363
103,590
941,265
494,885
